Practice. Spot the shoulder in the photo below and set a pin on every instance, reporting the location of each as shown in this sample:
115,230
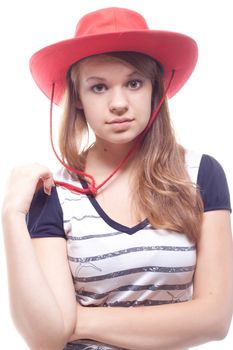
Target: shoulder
62,174
205,171
209,165
213,184
45,217
209,175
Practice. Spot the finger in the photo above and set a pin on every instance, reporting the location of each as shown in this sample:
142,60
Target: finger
48,183
39,184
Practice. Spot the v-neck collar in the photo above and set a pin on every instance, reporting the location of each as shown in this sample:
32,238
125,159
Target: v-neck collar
114,224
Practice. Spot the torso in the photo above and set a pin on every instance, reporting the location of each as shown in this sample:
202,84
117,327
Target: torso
117,203
113,265
115,197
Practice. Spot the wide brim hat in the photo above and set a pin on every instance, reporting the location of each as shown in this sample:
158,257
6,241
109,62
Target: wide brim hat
108,30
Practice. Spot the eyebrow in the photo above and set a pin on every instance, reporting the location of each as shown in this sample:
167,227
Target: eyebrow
103,79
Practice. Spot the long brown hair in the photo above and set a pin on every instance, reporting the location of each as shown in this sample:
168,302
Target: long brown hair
163,190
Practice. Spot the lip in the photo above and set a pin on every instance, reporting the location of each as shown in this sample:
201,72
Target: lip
120,120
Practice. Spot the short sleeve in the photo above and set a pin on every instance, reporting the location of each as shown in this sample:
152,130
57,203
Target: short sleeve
213,185
45,217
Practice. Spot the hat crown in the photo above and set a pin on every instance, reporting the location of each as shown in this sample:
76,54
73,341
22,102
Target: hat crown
112,19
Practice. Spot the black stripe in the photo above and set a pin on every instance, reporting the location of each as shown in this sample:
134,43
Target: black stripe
130,250
82,218
136,270
76,238
135,288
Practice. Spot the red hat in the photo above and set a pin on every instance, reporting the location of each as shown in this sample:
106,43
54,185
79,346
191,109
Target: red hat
114,29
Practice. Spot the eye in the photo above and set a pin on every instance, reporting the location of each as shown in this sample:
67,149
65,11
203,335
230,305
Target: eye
99,88
135,84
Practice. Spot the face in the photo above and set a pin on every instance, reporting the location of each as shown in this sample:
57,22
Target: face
115,98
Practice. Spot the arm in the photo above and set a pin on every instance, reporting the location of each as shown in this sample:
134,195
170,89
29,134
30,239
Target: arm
40,285
205,318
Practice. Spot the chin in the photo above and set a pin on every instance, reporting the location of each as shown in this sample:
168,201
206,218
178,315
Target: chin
124,141
125,138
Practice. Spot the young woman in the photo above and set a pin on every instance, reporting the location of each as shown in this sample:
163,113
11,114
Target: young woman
137,249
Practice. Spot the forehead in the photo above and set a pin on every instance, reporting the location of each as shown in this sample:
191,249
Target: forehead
104,63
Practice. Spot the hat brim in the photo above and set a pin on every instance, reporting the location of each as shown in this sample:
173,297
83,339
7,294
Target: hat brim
174,51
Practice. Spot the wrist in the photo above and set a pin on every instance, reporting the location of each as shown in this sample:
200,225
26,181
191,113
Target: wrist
11,217
85,320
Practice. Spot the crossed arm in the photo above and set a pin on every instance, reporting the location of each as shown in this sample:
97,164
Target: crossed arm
176,326
46,314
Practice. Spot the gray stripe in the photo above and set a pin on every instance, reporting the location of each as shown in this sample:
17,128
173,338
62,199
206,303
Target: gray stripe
135,288
130,250
88,344
136,270
142,303
79,198
82,218
76,238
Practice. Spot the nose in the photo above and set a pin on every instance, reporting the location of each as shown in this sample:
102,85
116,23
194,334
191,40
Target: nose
118,103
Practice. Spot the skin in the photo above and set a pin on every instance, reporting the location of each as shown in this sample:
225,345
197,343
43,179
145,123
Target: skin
40,281
110,95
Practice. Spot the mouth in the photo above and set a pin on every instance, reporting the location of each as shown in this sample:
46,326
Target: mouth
120,121
120,124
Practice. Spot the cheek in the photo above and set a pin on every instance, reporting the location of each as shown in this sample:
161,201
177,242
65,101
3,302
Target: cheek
92,116
145,107
89,110
91,105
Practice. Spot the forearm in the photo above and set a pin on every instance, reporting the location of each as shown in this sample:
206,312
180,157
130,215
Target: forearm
174,326
33,306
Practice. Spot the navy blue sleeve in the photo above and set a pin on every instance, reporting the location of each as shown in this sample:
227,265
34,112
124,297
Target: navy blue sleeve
45,217
213,185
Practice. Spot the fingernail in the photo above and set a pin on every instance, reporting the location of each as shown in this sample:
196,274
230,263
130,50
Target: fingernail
47,191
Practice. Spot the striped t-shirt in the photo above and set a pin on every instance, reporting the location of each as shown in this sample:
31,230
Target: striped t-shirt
114,265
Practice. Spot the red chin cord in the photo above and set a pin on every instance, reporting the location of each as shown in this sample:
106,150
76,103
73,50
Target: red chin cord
92,188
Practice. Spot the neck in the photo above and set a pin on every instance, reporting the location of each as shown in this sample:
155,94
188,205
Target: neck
103,158
111,153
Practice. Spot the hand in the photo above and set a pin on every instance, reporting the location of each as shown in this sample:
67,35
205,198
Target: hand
22,184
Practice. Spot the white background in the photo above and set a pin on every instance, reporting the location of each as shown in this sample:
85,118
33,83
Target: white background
201,112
